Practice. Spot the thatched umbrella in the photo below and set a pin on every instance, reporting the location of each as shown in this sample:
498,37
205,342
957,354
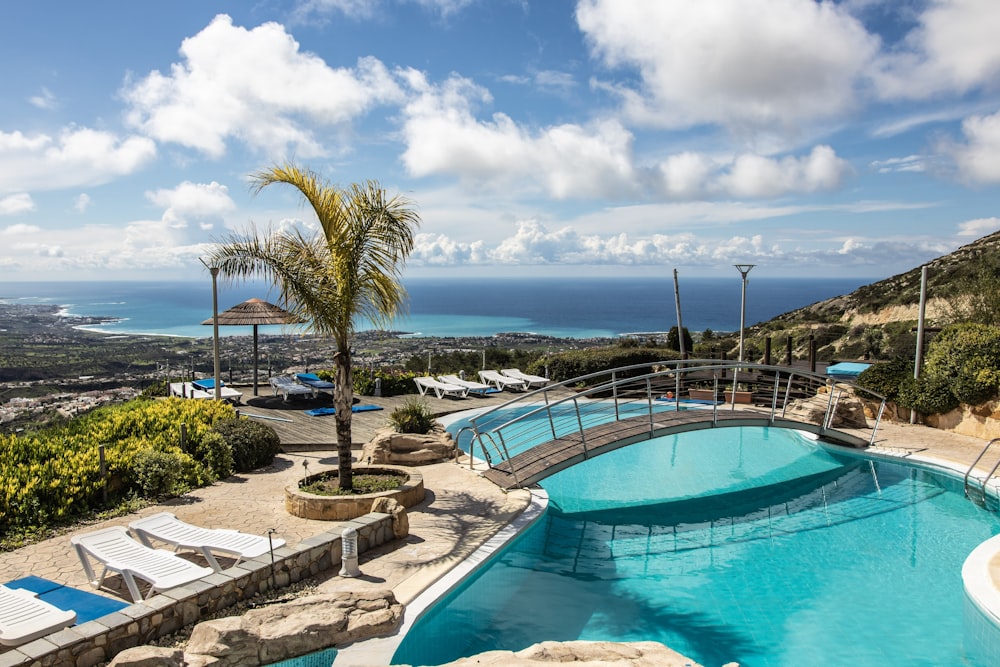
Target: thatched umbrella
254,312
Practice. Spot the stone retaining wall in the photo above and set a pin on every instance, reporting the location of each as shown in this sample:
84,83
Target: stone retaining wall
99,640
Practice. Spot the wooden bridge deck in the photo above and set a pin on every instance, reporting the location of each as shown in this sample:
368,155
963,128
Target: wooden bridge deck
547,458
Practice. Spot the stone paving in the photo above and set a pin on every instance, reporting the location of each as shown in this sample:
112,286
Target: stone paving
462,510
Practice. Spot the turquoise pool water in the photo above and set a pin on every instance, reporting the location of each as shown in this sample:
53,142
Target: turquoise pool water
748,545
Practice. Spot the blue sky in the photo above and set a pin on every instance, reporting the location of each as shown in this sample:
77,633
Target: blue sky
596,137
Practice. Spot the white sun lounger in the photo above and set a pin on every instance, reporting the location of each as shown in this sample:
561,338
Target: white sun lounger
23,617
501,381
441,389
117,552
530,380
166,527
471,387
286,386
188,390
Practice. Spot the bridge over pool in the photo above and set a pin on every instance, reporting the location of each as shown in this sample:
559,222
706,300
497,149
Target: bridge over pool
539,433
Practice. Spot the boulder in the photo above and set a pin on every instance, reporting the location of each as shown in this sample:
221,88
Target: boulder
149,656
306,625
391,447
400,522
850,411
582,654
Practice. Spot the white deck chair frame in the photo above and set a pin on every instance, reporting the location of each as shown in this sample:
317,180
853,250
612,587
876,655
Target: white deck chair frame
501,381
288,387
166,527
117,552
441,389
530,380
472,387
23,617
188,390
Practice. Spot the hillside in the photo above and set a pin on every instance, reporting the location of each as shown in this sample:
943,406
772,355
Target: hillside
877,319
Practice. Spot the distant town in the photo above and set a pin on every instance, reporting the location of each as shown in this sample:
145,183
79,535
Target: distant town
49,366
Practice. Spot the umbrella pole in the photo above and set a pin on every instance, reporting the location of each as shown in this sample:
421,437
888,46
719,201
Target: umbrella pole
255,360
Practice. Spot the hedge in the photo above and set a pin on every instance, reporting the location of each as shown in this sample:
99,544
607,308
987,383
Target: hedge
53,475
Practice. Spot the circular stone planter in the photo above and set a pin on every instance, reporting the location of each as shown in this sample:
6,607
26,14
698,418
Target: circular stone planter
343,508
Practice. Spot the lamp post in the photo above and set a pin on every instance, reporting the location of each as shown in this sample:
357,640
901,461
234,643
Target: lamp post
744,269
214,270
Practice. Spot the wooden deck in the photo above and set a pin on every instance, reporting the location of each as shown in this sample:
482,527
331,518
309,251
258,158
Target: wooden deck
548,458
299,431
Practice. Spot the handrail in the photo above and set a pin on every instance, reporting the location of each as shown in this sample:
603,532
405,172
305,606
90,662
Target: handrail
630,391
965,480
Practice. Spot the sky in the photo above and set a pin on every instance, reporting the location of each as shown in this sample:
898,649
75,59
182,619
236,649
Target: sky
533,137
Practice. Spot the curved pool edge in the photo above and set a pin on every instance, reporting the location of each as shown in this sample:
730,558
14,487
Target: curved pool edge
981,569
978,578
379,651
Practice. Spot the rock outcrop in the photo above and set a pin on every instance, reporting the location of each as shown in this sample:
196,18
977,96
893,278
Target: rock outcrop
400,522
582,654
976,421
279,632
849,412
391,447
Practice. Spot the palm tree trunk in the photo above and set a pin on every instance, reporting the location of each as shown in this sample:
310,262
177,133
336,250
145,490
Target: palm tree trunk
343,397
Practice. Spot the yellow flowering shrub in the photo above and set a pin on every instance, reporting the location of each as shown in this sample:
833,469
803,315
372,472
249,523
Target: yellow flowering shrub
55,474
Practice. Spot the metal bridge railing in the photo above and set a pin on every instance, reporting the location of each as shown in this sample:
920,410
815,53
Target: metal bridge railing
569,408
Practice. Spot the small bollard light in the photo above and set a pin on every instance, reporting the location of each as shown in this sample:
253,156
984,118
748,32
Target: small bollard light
349,553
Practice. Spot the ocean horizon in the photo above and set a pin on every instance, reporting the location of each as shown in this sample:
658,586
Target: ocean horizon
444,307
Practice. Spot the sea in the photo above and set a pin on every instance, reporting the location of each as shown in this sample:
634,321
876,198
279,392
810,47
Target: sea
453,307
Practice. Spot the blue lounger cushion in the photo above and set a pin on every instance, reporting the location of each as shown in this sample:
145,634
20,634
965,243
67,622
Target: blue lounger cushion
319,412
206,384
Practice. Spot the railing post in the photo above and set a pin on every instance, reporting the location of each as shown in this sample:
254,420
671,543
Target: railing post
788,393
677,389
579,421
506,456
614,394
649,402
829,408
774,394
878,420
715,399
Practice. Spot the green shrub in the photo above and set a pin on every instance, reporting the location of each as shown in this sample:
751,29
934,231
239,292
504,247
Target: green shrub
394,382
574,363
413,416
215,454
53,475
887,377
968,357
159,474
254,445
928,395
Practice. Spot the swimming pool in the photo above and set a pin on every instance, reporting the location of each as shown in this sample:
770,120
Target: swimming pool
750,545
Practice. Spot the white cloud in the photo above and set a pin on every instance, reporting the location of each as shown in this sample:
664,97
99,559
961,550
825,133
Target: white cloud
20,230
44,100
78,156
534,245
953,48
16,204
911,163
443,137
757,176
255,86
190,203
367,9
744,64
978,158
82,202
979,228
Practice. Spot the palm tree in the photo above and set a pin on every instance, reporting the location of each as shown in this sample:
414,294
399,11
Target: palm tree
349,271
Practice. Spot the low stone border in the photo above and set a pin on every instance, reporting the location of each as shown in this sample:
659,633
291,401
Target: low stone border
344,508
99,640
